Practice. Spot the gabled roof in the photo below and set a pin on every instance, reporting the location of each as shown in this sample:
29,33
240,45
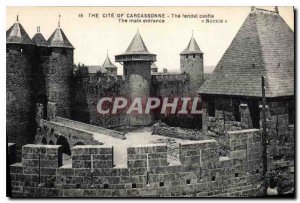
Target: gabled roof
108,64
192,47
59,39
16,34
39,40
137,45
264,45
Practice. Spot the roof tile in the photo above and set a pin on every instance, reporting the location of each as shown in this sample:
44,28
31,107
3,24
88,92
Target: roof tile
264,45
16,34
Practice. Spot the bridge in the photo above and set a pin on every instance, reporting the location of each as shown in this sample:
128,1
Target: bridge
69,133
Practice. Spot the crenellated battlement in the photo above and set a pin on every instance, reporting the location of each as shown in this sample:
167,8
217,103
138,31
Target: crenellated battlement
200,170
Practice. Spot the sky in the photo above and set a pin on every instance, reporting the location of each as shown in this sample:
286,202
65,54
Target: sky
94,37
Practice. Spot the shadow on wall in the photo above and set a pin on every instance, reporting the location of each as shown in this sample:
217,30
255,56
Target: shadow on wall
65,145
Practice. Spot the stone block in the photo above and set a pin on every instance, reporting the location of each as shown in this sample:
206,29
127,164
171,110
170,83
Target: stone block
137,163
147,149
238,154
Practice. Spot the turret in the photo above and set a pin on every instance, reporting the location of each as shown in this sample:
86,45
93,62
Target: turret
59,72
191,62
109,66
137,62
137,59
19,92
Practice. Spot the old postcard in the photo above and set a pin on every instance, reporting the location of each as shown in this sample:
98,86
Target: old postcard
150,102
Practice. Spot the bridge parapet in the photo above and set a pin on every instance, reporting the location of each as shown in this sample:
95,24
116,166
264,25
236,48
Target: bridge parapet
51,132
90,128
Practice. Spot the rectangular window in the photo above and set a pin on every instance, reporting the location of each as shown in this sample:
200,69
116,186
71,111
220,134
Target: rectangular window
194,56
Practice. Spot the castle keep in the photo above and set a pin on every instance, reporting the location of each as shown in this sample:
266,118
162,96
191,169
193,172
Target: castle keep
66,148
137,62
141,79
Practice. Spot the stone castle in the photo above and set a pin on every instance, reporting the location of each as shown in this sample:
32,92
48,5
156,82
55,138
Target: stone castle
47,72
142,79
45,108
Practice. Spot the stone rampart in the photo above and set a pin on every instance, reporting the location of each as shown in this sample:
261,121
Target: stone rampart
200,172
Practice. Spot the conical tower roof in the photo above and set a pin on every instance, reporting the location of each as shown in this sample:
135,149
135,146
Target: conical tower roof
39,40
136,51
16,34
264,45
108,64
59,39
192,47
137,45
154,66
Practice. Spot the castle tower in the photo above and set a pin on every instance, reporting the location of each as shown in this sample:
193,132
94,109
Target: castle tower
109,66
19,92
60,66
191,62
137,62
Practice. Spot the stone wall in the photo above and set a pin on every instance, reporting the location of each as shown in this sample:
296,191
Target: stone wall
35,75
104,86
280,138
58,79
170,85
80,107
232,113
135,85
174,85
201,172
221,115
20,106
192,64
280,131
177,132
141,68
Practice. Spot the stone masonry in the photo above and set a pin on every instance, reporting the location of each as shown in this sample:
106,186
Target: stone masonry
201,172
